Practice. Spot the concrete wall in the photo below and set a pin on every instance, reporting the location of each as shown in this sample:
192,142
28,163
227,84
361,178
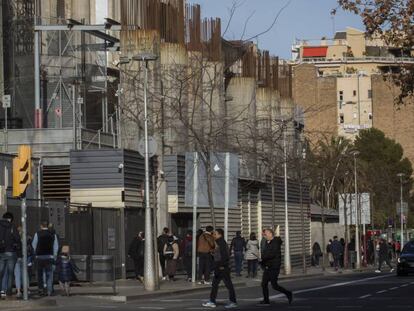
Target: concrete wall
395,121
318,97
331,229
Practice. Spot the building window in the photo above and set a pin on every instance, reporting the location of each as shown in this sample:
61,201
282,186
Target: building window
341,118
370,116
355,93
369,94
341,95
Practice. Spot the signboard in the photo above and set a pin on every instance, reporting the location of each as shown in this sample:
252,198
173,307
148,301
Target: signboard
6,101
347,201
111,238
218,169
152,147
404,208
172,203
57,217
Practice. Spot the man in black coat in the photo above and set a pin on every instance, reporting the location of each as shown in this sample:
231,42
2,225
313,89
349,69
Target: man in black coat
136,253
161,241
271,261
221,271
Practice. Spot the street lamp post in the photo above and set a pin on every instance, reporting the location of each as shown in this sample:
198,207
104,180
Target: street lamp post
357,248
401,175
288,267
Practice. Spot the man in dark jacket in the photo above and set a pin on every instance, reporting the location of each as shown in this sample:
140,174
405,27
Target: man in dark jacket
337,250
46,247
9,244
238,246
161,241
271,261
221,271
136,253
384,256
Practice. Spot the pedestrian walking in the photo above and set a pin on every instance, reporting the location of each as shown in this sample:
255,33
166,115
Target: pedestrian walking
342,257
9,245
398,249
316,254
221,257
205,250
329,252
237,248
66,270
186,251
252,255
383,255
136,253
271,261
161,241
171,254
46,247
337,251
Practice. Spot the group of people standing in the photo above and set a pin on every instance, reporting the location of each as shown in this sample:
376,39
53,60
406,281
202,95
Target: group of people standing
43,252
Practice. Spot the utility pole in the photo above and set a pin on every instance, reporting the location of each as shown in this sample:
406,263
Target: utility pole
195,202
288,267
401,175
227,197
357,248
302,216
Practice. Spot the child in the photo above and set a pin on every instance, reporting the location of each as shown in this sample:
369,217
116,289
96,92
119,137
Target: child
66,270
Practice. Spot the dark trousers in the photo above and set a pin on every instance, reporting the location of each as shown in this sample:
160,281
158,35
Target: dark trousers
238,261
204,266
162,263
188,266
252,267
271,275
139,267
337,258
387,261
45,266
222,274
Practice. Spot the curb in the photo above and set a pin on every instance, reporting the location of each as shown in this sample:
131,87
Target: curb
124,299
28,304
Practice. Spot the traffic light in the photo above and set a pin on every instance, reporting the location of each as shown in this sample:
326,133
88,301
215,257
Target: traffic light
22,170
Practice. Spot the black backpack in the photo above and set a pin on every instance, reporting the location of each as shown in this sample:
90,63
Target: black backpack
169,251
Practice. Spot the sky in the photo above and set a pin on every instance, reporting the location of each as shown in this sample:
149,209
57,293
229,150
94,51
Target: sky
302,19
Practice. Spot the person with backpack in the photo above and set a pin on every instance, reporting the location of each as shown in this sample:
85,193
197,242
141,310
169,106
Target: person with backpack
171,254
66,270
252,255
238,246
10,243
161,241
336,251
187,254
19,269
136,253
46,247
205,249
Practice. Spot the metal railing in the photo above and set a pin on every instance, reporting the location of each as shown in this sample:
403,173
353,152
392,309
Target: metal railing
370,59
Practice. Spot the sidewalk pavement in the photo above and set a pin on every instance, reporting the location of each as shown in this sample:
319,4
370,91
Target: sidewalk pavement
132,290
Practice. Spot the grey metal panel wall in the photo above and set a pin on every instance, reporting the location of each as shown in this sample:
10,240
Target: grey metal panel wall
134,178
96,169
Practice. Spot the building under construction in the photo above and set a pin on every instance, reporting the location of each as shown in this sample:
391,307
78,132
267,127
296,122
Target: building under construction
76,82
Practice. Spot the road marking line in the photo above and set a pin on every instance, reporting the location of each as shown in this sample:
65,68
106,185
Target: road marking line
393,288
382,291
151,308
366,296
405,285
333,285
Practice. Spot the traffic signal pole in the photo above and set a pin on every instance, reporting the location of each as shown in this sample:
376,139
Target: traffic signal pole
24,248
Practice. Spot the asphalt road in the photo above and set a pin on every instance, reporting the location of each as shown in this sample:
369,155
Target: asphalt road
364,291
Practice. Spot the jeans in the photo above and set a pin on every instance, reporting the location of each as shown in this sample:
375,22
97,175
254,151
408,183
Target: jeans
381,261
7,263
44,266
205,266
188,265
252,267
222,273
271,275
18,274
238,261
